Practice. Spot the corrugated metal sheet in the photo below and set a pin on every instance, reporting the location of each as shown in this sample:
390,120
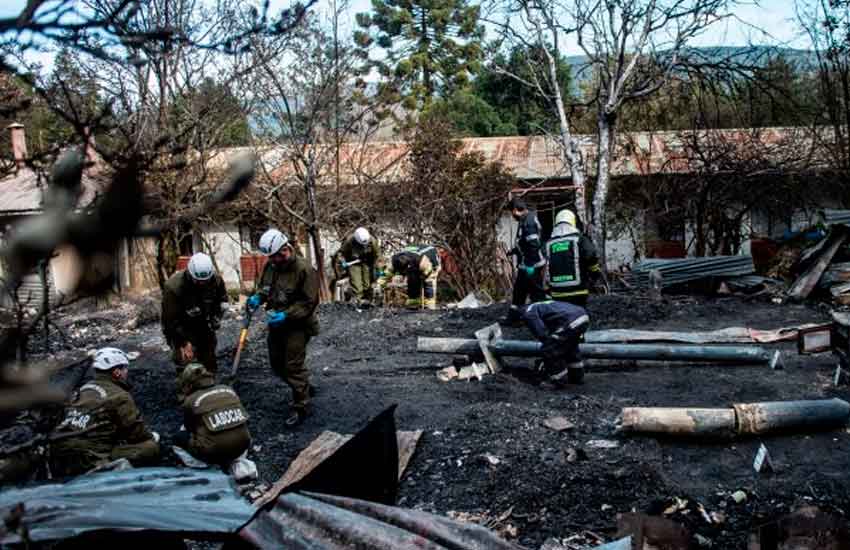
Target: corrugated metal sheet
160,499
311,521
690,269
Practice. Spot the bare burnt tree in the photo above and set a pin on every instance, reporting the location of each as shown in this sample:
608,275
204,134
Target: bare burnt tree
312,119
633,48
451,199
717,180
143,54
827,24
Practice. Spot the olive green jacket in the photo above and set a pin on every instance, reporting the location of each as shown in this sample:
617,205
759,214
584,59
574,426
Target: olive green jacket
294,289
104,415
217,423
188,309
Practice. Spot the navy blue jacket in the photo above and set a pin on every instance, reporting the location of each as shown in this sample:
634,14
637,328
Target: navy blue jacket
544,318
529,241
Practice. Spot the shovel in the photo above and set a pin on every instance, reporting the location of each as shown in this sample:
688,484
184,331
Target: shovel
243,337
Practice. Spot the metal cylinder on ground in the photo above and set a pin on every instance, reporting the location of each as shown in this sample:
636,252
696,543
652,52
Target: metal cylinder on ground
772,416
689,421
741,419
651,352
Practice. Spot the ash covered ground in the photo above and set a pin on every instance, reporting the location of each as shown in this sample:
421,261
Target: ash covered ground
485,454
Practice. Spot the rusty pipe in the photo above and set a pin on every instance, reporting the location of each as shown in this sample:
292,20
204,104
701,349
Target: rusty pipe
741,419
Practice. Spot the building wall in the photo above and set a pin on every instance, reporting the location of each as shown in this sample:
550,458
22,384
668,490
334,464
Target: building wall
224,243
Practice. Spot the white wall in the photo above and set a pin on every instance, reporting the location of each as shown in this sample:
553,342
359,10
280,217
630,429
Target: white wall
224,244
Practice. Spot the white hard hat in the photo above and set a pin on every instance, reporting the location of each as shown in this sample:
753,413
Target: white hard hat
201,267
109,358
566,216
272,241
361,235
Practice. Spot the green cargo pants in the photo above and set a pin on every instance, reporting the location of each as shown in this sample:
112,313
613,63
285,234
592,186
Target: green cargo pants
74,457
287,353
360,277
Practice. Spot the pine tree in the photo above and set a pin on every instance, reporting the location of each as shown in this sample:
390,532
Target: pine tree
431,47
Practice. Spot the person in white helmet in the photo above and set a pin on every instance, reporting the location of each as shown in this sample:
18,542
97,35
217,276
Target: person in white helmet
358,256
102,423
573,261
191,313
289,288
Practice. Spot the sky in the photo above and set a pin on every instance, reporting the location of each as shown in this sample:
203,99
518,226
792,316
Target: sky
737,31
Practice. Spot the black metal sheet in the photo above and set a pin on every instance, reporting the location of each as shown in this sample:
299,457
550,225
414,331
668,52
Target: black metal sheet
160,499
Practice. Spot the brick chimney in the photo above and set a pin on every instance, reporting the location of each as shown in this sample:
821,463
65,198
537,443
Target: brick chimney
19,144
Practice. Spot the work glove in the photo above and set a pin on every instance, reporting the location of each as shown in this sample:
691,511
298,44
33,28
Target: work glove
253,303
275,318
529,270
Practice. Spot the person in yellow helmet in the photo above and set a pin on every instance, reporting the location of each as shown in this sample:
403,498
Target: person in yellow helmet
572,259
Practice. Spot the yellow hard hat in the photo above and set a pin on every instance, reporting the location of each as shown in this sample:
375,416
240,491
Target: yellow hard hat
566,216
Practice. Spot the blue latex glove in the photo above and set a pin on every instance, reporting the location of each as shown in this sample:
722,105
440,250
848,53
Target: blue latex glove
253,302
274,318
529,270
343,264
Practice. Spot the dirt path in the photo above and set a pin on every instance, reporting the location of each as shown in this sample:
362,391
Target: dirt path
365,361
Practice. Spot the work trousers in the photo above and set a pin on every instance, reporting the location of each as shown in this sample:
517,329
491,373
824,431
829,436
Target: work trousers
526,286
71,458
422,291
220,449
361,278
562,356
287,353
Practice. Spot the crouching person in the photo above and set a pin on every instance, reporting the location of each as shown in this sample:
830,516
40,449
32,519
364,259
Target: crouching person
560,327
216,422
102,423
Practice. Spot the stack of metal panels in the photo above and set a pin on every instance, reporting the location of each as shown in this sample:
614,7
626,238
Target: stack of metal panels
836,217
674,272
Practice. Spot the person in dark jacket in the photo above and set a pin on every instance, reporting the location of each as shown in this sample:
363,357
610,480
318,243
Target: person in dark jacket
528,249
289,287
102,423
358,255
420,265
573,261
216,423
191,313
559,326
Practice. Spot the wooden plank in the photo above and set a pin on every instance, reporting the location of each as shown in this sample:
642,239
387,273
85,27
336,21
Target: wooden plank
485,337
804,285
323,447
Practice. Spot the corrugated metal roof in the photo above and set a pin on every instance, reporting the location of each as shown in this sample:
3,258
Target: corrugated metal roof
312,521
539,157
161,499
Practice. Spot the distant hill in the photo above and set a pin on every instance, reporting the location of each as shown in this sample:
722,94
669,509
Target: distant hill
803,59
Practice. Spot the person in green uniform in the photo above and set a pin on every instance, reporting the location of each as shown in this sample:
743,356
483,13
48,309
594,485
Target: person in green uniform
216,423
289,288
191,313
358,256
102,423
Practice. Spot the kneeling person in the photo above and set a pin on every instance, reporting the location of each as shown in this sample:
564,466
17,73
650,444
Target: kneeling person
215,420
102,423
559,326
